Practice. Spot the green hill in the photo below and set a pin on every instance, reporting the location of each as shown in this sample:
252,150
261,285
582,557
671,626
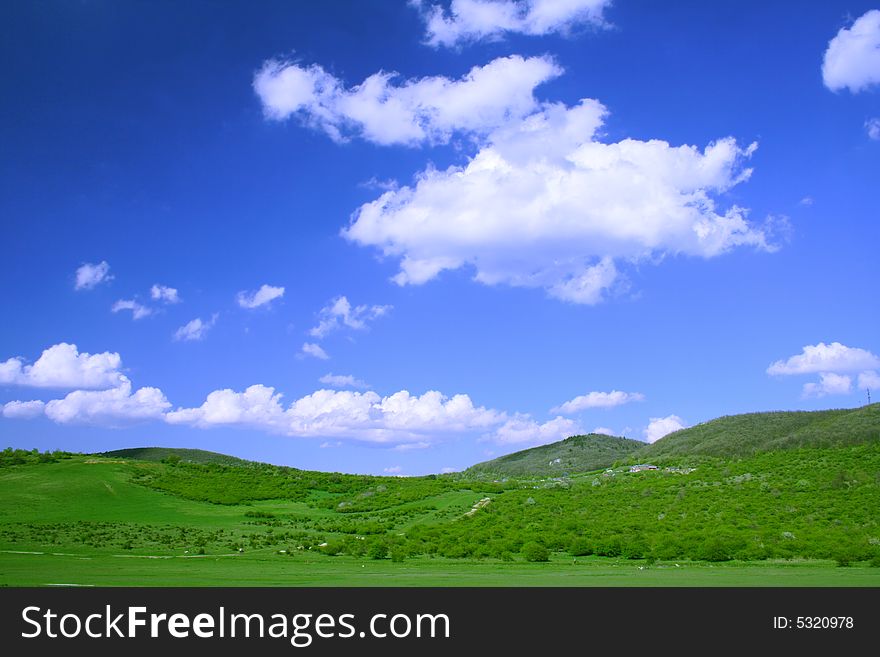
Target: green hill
752,433
200,456
576,454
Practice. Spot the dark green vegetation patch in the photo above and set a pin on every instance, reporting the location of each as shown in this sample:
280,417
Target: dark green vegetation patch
575,454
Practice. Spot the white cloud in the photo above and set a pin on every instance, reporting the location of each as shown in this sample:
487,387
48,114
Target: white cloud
195,329
108,407
314,350
829,384
521,429
475,20
164,293
62,366
852,59
23,410
544,204
408,447
605,431
448,470
138,311
339,312
89,275
396,419
870,380
394,469
411,112
872,127
597,400
266,294
343,381
807,201
822,357
662,426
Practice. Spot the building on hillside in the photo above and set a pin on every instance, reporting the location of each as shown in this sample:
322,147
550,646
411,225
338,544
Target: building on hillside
642,466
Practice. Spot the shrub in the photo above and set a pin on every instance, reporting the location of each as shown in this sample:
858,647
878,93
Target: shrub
580,547
377,550
535,552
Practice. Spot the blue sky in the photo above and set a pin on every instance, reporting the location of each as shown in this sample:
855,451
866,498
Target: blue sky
403,238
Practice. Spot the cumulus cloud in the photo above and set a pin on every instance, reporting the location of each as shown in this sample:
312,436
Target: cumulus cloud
872,127
195,329
869,380
90,275
314,350
339,312
662,426
545,204
343,381
476,20
393,470
266,294
164,293
605,431
597,400
62,366
23,410
852,60
834,357
364,416
411,112
829,384
138,311
522,429
108,407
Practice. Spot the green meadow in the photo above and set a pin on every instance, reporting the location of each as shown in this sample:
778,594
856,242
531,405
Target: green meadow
799,515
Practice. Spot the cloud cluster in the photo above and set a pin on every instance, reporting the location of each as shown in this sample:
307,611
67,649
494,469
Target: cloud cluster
314,350
164,293
105,397
872,127
476,20
265,295
108,407
111,407
544,204
138,311
852,60
829,384
597,400
343,381
662,426
521,429
835,363
195,329
365,416
90,275
63,366
339,312
412,112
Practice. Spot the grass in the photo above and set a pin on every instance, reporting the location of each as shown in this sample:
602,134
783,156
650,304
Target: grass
780,517
313,570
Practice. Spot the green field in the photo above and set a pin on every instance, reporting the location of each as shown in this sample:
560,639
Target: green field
791,499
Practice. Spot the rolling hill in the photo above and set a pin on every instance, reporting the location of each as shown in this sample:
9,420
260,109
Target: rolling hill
576,454
199,456
752,433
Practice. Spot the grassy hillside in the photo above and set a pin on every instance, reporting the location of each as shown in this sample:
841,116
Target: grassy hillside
172,453
752,433
572,455
759,488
